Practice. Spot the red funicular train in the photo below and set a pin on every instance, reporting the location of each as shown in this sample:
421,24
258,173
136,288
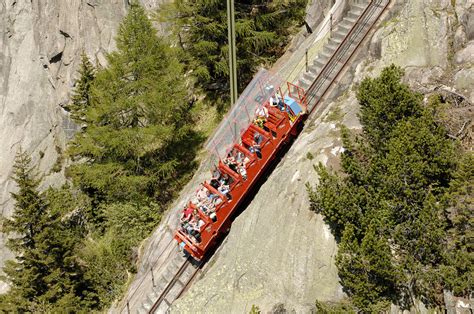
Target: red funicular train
258,126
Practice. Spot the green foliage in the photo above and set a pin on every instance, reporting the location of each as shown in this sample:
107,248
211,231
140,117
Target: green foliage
45,272
136,146
136,151
77,245
255,309
395,206
365,268
458,273
262,31
384,101
80,99
342,307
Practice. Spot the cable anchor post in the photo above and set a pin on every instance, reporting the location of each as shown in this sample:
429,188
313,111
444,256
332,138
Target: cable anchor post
306,59
152,277
330,23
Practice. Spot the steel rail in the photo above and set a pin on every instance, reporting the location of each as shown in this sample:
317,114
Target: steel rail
146,275
314,86
171,284
344,47
318,82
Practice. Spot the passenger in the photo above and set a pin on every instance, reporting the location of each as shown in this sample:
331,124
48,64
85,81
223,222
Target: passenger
213,216
255,148
273,102
214,183
231,163
245,162
192,227
239,158
202,192
225,189
186,215
280,103
224,180
243,172
260,122
262,112
215,173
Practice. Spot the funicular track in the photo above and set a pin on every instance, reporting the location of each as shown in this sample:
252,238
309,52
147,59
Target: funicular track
186,271
184,276
344,52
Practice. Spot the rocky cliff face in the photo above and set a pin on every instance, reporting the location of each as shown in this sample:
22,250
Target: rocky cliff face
279,254
40,46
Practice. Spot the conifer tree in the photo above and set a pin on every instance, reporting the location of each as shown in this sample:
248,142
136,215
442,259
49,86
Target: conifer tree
262,32
80,99
135,145
366,269
398,174
384,101
45,271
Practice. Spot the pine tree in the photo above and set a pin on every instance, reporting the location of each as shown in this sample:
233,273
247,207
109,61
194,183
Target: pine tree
136,152
458,270
26,273
45,270
398,178
384,101
30,206
365,269
135,145
80,99
262,28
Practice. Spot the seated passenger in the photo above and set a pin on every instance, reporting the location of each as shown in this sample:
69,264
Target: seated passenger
186,215
213,216
202,192
243,172
261,112
260,122
231,163
193,228
245,162
273,102
225,189
209,211
214,183
216,174
255,148
280,104
200,224
224,180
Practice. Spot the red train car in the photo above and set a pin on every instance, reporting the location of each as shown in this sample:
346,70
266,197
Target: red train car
258,126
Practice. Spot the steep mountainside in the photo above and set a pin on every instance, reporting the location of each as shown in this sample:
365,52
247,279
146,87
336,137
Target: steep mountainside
39,54
279,254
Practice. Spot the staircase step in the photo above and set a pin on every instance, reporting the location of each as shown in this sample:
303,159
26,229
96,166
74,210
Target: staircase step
303,84
353,15
314,69
326,54
142,310
344,26
334,41
351,19
358,7
319,63
347,23
308,76
332,45
147,305
339,34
